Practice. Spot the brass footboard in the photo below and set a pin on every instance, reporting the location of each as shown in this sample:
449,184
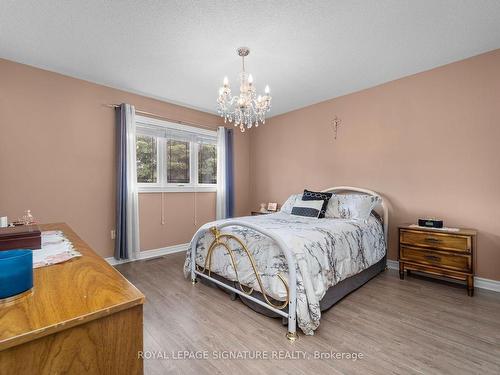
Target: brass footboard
222,241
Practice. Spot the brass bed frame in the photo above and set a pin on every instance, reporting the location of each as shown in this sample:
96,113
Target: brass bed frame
221,240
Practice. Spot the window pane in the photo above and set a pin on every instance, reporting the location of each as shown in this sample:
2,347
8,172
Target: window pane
177,162
146,159
207,164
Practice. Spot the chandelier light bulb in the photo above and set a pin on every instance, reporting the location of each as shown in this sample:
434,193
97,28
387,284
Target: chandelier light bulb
267,90
250,79
226,81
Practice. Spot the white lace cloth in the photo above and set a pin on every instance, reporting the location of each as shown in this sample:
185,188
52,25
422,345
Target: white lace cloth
56,248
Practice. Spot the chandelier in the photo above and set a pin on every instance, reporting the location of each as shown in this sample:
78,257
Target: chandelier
247,109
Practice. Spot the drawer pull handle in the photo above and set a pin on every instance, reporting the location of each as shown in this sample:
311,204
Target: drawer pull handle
432,257
432,239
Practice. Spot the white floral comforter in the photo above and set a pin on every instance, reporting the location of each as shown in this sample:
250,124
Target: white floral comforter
326,252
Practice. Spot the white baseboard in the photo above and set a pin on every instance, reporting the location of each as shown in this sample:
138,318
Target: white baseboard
482,283
479,282
393,264
149,254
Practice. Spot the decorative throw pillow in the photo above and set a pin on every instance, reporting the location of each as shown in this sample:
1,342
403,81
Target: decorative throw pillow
307,208
290,202
317,195
351,206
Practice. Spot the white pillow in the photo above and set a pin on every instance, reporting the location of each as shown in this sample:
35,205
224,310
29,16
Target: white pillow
351,206
307,208
289,203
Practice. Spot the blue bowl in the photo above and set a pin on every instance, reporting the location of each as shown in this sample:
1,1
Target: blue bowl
16,272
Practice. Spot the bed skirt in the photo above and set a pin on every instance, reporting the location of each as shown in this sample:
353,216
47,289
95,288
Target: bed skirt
332,296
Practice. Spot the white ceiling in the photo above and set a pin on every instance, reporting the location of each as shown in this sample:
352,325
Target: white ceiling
308,51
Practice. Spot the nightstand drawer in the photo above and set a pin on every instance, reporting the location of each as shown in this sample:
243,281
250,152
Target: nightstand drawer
434,240
439,259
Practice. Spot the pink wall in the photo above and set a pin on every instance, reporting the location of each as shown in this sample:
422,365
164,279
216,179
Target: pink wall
57,158
192,210
428,142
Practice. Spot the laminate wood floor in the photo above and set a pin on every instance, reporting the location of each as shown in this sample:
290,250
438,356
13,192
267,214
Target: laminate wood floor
411,326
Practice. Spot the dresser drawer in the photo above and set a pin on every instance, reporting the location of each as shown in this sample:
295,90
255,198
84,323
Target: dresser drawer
450,261
434,240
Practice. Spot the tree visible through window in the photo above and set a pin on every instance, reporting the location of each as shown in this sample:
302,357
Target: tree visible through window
178,162
207,163
175,157
146,150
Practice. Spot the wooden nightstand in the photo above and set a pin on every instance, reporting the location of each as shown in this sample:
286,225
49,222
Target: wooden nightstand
438,252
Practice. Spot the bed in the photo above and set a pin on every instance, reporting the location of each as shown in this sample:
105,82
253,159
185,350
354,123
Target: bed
290,266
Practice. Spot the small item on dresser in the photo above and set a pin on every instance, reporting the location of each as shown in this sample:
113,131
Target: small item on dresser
430,222
4,222
20,237
273,207
28,218
16,272
263,208
56,248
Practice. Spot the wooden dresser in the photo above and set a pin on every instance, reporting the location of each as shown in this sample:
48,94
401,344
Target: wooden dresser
438,252
83,317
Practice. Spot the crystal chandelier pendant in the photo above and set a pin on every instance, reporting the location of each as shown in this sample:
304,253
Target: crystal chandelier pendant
247,109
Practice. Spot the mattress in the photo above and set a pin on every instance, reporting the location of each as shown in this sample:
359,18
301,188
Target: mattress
326,251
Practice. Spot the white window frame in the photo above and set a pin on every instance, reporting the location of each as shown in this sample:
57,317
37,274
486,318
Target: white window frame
161,174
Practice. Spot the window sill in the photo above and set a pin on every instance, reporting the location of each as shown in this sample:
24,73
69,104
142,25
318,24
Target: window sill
177,189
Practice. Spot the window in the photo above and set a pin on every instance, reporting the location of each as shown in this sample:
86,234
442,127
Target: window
173,157
146,159
207,163
178,168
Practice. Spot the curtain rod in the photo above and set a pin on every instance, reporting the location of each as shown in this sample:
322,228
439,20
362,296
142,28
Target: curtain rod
214,127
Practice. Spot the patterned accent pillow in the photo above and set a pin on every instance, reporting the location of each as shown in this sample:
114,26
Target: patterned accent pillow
351,206
307,208
317,195
290,202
